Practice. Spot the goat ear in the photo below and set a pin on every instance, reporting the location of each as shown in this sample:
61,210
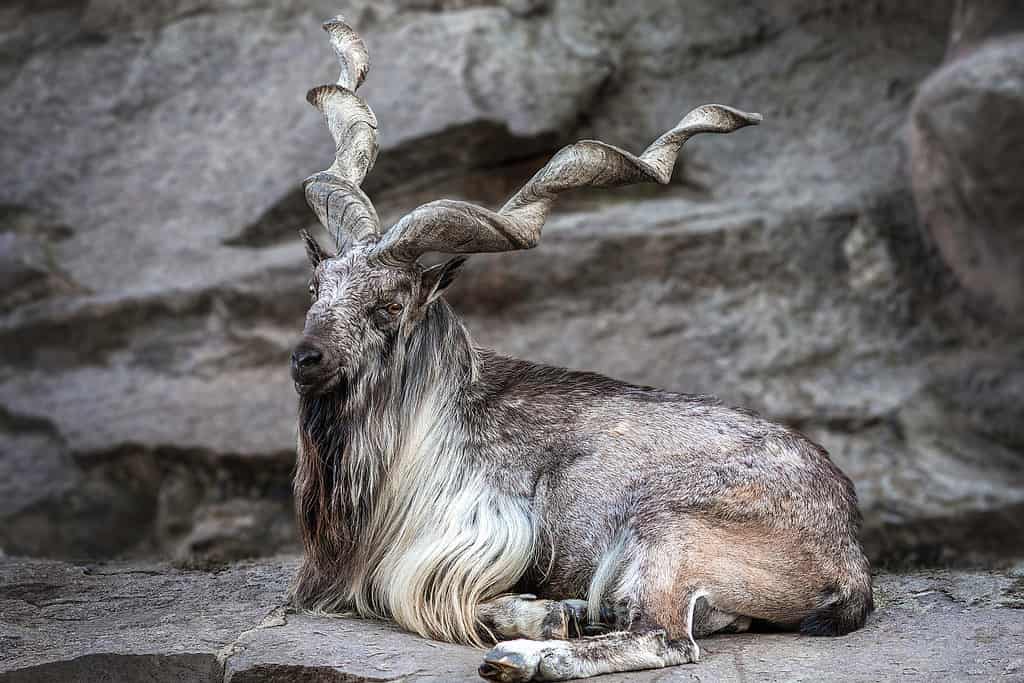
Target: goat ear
314,251
437,278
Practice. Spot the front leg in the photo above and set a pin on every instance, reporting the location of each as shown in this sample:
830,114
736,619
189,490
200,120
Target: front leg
643,646
524,616
515,661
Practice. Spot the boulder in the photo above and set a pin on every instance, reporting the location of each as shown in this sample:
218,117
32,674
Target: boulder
967,161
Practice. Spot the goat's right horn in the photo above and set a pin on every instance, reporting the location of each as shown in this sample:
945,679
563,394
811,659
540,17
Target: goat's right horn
456,227
335,194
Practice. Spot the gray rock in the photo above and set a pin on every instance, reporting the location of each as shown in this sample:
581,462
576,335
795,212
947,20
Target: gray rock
155,154
237,527
967,160
975,21
301,647
28,271
121,621
129,622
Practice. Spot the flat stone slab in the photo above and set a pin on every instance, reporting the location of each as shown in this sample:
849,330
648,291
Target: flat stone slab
129,621
154,622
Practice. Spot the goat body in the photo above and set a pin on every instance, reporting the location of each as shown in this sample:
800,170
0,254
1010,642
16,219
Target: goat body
427,489
586,524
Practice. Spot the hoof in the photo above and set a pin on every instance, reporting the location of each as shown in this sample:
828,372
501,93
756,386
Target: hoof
565,619
510,664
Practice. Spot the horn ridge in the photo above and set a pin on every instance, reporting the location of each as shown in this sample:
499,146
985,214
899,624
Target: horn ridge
335,194
451,226
352,54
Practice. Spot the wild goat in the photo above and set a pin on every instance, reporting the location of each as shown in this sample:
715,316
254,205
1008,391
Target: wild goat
473,497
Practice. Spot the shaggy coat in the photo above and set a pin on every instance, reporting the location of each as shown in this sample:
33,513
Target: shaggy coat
470,496
448,474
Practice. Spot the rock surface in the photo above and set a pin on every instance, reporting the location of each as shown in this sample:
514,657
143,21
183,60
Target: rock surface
967,133
122,621
976,21
149,200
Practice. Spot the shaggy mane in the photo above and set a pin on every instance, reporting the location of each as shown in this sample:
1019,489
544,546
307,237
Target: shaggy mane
397,518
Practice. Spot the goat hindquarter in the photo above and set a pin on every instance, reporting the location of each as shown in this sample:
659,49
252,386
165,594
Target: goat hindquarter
767,532
689,546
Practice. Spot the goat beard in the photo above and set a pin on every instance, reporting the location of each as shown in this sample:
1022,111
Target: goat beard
323,433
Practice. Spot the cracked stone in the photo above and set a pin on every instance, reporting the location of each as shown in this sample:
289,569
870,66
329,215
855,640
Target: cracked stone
134,621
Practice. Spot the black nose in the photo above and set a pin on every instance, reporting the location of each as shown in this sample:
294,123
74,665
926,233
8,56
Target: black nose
305,356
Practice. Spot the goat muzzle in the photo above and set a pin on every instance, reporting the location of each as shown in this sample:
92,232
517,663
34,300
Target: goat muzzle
308,366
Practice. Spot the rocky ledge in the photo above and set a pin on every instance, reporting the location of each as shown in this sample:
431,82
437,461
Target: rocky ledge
154,622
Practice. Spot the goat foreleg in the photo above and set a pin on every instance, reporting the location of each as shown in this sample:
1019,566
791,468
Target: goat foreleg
559,660
655,633
525,616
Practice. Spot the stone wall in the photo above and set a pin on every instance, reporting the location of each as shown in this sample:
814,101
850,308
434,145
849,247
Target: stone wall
152,281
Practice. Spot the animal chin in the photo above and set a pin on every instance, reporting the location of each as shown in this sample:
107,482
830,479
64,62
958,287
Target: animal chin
320,386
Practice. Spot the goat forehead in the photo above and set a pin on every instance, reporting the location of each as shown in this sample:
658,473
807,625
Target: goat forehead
355,276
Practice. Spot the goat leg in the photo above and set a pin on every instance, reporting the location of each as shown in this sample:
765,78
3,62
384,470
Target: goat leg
644,646
514,661
525,616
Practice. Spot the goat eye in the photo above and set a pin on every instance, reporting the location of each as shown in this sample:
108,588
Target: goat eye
394,308
312,289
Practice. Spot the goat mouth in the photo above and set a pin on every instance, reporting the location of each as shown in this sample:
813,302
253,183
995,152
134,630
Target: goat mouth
321,385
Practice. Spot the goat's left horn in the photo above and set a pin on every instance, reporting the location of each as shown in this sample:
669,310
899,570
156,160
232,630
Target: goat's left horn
335,194
456,227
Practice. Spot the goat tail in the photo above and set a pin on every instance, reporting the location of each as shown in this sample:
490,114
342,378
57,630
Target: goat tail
844,608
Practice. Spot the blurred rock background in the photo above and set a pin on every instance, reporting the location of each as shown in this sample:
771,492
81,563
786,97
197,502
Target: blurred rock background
853,267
